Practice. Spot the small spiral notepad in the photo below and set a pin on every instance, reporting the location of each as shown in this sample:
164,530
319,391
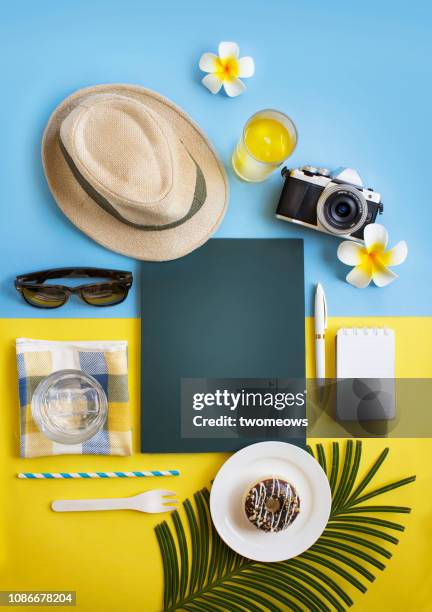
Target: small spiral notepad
365,356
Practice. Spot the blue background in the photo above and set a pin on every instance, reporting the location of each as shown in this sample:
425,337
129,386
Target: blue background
355,78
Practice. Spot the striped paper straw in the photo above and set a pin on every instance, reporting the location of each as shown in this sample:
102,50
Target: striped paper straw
53,475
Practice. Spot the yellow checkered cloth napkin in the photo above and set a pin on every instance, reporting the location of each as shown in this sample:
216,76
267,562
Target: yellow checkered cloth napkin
106,362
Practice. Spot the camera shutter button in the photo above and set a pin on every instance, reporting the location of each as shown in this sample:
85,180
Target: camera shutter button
323,171
310,169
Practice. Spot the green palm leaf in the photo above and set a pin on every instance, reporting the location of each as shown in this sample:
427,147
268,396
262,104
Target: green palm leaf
202,574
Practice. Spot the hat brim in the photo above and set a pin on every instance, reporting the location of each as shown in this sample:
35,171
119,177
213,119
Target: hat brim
89,217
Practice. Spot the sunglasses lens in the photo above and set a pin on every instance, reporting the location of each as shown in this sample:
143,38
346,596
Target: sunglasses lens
44,297
104,295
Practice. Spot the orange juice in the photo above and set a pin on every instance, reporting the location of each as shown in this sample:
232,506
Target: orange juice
268,139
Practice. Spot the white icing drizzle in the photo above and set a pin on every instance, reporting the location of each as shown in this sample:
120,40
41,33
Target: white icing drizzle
259,497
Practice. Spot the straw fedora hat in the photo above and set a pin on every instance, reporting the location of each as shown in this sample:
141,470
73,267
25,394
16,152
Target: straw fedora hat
134,172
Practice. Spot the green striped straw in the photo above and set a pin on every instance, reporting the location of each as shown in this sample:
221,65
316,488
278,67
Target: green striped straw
67,475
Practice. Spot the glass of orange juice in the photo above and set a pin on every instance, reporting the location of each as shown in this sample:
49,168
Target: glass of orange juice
268,138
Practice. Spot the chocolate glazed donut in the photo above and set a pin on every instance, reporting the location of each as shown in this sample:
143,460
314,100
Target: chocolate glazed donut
272,504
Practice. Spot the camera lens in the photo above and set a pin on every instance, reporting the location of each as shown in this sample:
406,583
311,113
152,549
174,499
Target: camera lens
342,209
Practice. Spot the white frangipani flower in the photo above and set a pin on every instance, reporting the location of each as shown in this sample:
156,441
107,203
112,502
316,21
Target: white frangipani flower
371,259
225,69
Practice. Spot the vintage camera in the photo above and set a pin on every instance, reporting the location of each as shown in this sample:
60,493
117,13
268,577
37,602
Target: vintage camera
333,203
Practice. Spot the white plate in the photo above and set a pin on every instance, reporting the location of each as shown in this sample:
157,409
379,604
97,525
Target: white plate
248,466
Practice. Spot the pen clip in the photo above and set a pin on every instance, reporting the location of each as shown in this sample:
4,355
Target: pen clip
325,310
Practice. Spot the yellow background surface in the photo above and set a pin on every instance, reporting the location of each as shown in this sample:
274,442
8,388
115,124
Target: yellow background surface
112,559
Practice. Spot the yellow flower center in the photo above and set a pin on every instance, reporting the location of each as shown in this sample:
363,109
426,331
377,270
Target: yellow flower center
372,259
376,247
227,68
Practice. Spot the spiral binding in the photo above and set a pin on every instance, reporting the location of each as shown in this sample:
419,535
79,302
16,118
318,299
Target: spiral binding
366,331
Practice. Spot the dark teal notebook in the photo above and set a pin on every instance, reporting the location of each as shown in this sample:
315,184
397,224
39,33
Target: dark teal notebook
232,309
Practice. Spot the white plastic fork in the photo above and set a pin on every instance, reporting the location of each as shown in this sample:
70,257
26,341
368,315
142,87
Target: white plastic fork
154,501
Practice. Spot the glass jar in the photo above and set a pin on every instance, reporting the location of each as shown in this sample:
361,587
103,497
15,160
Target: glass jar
268,139
69,407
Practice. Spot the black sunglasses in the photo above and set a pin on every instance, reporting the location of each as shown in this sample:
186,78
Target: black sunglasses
108,293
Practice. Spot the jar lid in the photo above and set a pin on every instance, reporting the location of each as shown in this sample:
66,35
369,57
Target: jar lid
69,406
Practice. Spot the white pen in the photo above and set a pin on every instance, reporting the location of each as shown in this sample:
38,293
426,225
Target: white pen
320,327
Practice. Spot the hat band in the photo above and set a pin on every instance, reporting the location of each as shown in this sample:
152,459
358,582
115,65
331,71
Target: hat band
198,200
